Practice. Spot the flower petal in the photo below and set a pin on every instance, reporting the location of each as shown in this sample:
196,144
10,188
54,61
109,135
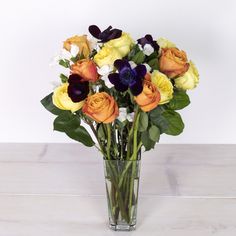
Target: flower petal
114,78
104,70
94,30
74,50
107,81
114,34
149,37
148,49
140,70
121,87
120,64
136,88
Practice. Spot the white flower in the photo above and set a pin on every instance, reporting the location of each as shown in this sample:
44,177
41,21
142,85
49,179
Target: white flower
104,71
74,50
140,47
107,81
148,68
123,115
64,54
148,49
130,117
132,64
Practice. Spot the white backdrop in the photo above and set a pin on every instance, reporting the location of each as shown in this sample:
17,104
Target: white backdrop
32,32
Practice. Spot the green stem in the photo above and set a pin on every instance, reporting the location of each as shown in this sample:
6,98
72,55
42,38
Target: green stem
96,135
134,156
108,141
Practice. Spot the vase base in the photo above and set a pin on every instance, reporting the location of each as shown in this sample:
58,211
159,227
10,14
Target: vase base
122,227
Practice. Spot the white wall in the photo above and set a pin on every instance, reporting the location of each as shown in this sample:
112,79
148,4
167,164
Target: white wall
32,32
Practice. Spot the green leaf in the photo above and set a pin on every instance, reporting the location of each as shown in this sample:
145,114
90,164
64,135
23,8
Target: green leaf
48,104
154,55
153,64
154,133
156,112
65,63
169,122
81,134
101,134
64,78
179,100
66,121
143,121
133,51
147,142
138,58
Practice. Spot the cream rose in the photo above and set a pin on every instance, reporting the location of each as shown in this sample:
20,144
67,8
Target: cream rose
123,44
163,85
106,56
189,80
165,43
61,99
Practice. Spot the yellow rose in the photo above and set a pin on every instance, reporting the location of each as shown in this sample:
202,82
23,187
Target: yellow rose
122,44
81,42
61,99
163,85
165,43
189,80
106,56
101,107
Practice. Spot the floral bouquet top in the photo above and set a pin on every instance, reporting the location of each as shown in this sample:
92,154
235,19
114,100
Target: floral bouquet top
125,91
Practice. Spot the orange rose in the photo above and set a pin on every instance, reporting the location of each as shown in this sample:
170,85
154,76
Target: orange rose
149,98
86,69
81,42
173,62
101,107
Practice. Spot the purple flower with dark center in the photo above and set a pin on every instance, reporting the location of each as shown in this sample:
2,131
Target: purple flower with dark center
147,39
128,77
105,35
77,90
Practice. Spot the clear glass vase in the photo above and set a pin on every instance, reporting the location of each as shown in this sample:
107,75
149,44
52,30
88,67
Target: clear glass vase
122,184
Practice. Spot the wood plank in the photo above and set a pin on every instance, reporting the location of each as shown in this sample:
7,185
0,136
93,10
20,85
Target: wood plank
74,215
179,154
88,179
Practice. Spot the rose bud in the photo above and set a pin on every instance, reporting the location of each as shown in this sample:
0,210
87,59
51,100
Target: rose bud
86,69
101,107
173,62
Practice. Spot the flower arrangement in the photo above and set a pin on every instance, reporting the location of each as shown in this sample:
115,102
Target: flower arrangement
126,91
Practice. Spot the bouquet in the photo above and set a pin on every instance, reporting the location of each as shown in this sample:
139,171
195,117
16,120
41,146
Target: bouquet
127,93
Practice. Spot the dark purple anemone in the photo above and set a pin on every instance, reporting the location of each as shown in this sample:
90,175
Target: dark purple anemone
77,90
147,39
128,77
105,35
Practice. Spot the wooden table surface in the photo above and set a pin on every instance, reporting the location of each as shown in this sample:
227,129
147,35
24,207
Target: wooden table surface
59,190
